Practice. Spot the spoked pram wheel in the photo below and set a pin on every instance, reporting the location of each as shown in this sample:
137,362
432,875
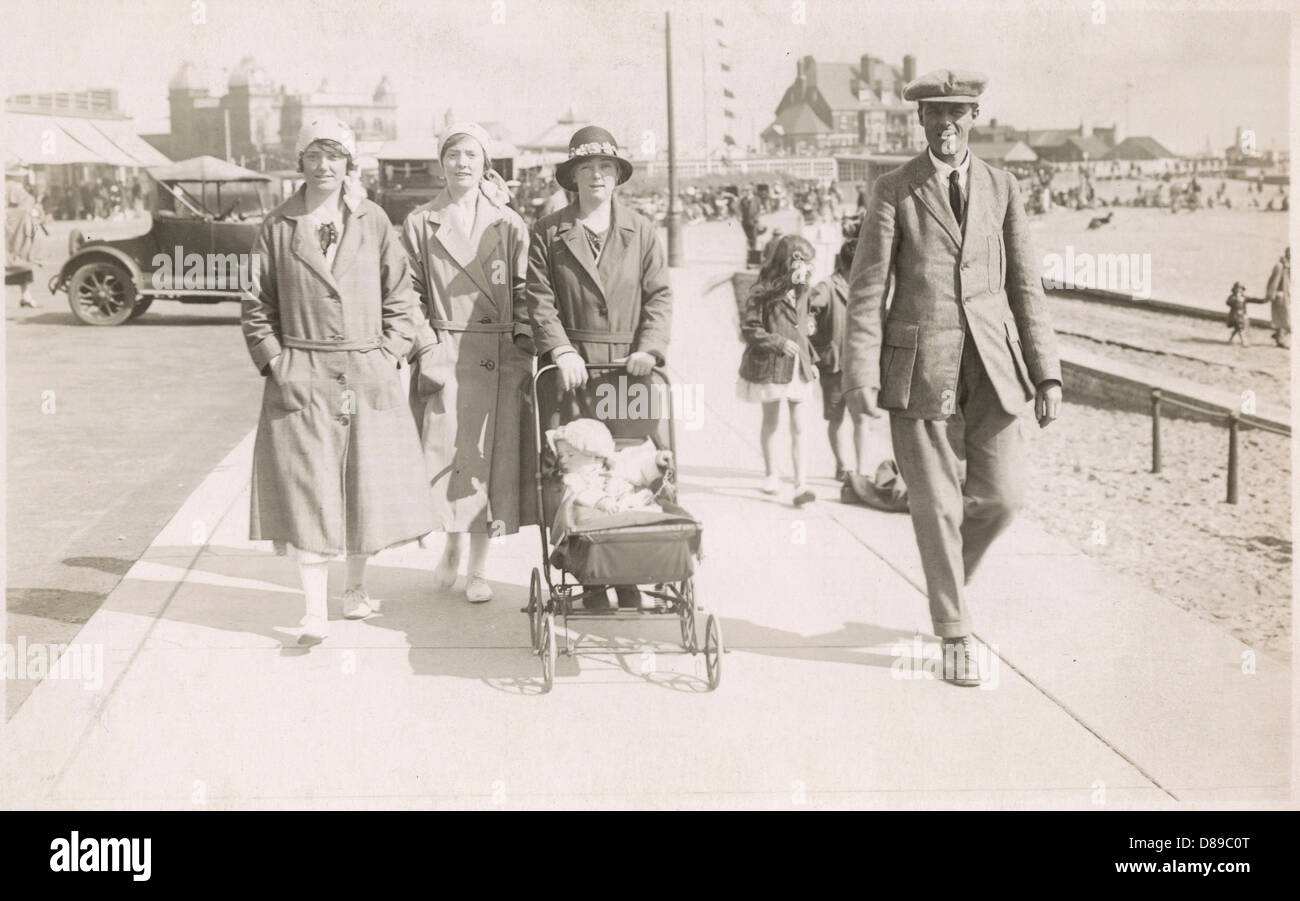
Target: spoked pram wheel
686,617
546,650
713,650
535,609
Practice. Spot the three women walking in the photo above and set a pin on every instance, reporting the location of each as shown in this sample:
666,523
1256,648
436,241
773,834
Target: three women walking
341,466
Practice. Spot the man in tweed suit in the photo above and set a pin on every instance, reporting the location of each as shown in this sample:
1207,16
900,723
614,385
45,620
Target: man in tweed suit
964,346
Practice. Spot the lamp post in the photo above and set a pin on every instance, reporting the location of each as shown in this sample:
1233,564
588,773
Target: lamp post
674,216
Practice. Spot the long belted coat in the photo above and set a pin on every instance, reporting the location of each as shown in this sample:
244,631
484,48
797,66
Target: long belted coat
471,381
336,464
607,309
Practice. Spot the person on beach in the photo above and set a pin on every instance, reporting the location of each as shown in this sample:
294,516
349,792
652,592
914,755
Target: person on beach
778,366
1238,315
965,344
468,253
328,321
1278,293
829,303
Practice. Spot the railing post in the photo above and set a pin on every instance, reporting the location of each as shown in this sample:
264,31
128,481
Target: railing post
1234,426
1155,429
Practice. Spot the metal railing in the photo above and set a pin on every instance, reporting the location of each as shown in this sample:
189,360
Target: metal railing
1233,420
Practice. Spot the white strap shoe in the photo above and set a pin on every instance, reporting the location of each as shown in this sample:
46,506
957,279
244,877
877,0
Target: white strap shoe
356,604
315,629
477,590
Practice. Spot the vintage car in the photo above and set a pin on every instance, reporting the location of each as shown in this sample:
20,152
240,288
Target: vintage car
410,174
206,213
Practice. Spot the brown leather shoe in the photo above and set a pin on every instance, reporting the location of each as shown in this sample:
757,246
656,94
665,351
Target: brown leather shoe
961,662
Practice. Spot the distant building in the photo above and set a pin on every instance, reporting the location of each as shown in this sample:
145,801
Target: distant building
1140,148
259,120
551,147
1004,153
1052,145
846,107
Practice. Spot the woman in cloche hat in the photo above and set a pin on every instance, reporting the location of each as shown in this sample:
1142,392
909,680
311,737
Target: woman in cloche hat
597,284
469,255
336,463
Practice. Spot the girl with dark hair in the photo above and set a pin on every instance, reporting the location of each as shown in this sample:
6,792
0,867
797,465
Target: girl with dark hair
779,363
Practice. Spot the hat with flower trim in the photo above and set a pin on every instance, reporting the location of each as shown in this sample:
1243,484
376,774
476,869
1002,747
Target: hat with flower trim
591,143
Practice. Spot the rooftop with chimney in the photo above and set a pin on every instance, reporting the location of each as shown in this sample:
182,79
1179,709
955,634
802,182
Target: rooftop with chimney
834,105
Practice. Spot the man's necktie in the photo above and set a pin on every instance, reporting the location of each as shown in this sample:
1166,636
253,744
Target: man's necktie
954,194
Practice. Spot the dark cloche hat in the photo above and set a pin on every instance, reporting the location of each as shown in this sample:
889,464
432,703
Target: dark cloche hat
591,142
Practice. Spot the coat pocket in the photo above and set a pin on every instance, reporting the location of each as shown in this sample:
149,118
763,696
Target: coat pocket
289,383
382,387
430,377
898,362
1018,359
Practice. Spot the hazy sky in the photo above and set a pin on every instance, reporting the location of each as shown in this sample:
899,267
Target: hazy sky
1197,69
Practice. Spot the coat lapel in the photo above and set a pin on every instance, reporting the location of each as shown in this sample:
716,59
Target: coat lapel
353,238
458,245
308,252
934,197
621,230
577,243
979,193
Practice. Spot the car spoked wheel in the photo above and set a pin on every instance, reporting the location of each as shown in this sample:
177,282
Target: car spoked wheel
101,294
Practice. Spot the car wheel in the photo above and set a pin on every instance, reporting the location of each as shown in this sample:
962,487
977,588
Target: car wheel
101,293
141,307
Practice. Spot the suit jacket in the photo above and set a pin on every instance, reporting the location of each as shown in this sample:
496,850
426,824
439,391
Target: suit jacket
946,279
625,295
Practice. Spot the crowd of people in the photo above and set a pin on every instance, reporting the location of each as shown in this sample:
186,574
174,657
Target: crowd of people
102,198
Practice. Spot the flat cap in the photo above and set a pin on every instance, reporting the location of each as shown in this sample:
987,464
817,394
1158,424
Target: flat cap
947,86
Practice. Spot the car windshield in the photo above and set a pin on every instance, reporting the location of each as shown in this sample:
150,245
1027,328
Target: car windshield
231,199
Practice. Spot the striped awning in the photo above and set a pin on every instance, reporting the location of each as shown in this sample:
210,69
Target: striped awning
41,140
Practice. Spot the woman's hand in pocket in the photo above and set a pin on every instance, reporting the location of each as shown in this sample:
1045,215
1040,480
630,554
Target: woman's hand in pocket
431,379
791,347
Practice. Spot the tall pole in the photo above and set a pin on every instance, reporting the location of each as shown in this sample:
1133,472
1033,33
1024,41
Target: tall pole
226,117
704,90
674,217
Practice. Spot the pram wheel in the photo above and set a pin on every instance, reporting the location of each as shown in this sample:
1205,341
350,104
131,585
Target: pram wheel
535,608
713,651
547,652
686,615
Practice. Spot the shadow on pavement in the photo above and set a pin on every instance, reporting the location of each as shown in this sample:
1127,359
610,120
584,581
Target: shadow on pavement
59,604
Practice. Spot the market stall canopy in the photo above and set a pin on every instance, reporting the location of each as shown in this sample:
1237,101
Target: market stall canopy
41,140
206,168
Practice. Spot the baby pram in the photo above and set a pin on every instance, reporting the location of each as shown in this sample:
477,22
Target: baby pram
656,550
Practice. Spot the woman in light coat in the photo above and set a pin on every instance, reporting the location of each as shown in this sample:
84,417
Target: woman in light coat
469,255
336,464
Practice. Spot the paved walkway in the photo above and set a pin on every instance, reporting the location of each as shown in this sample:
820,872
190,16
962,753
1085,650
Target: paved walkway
1104,695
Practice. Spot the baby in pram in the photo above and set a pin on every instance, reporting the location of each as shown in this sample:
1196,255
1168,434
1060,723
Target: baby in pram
597,476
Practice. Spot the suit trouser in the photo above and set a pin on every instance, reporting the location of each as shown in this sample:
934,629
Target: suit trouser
955,514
